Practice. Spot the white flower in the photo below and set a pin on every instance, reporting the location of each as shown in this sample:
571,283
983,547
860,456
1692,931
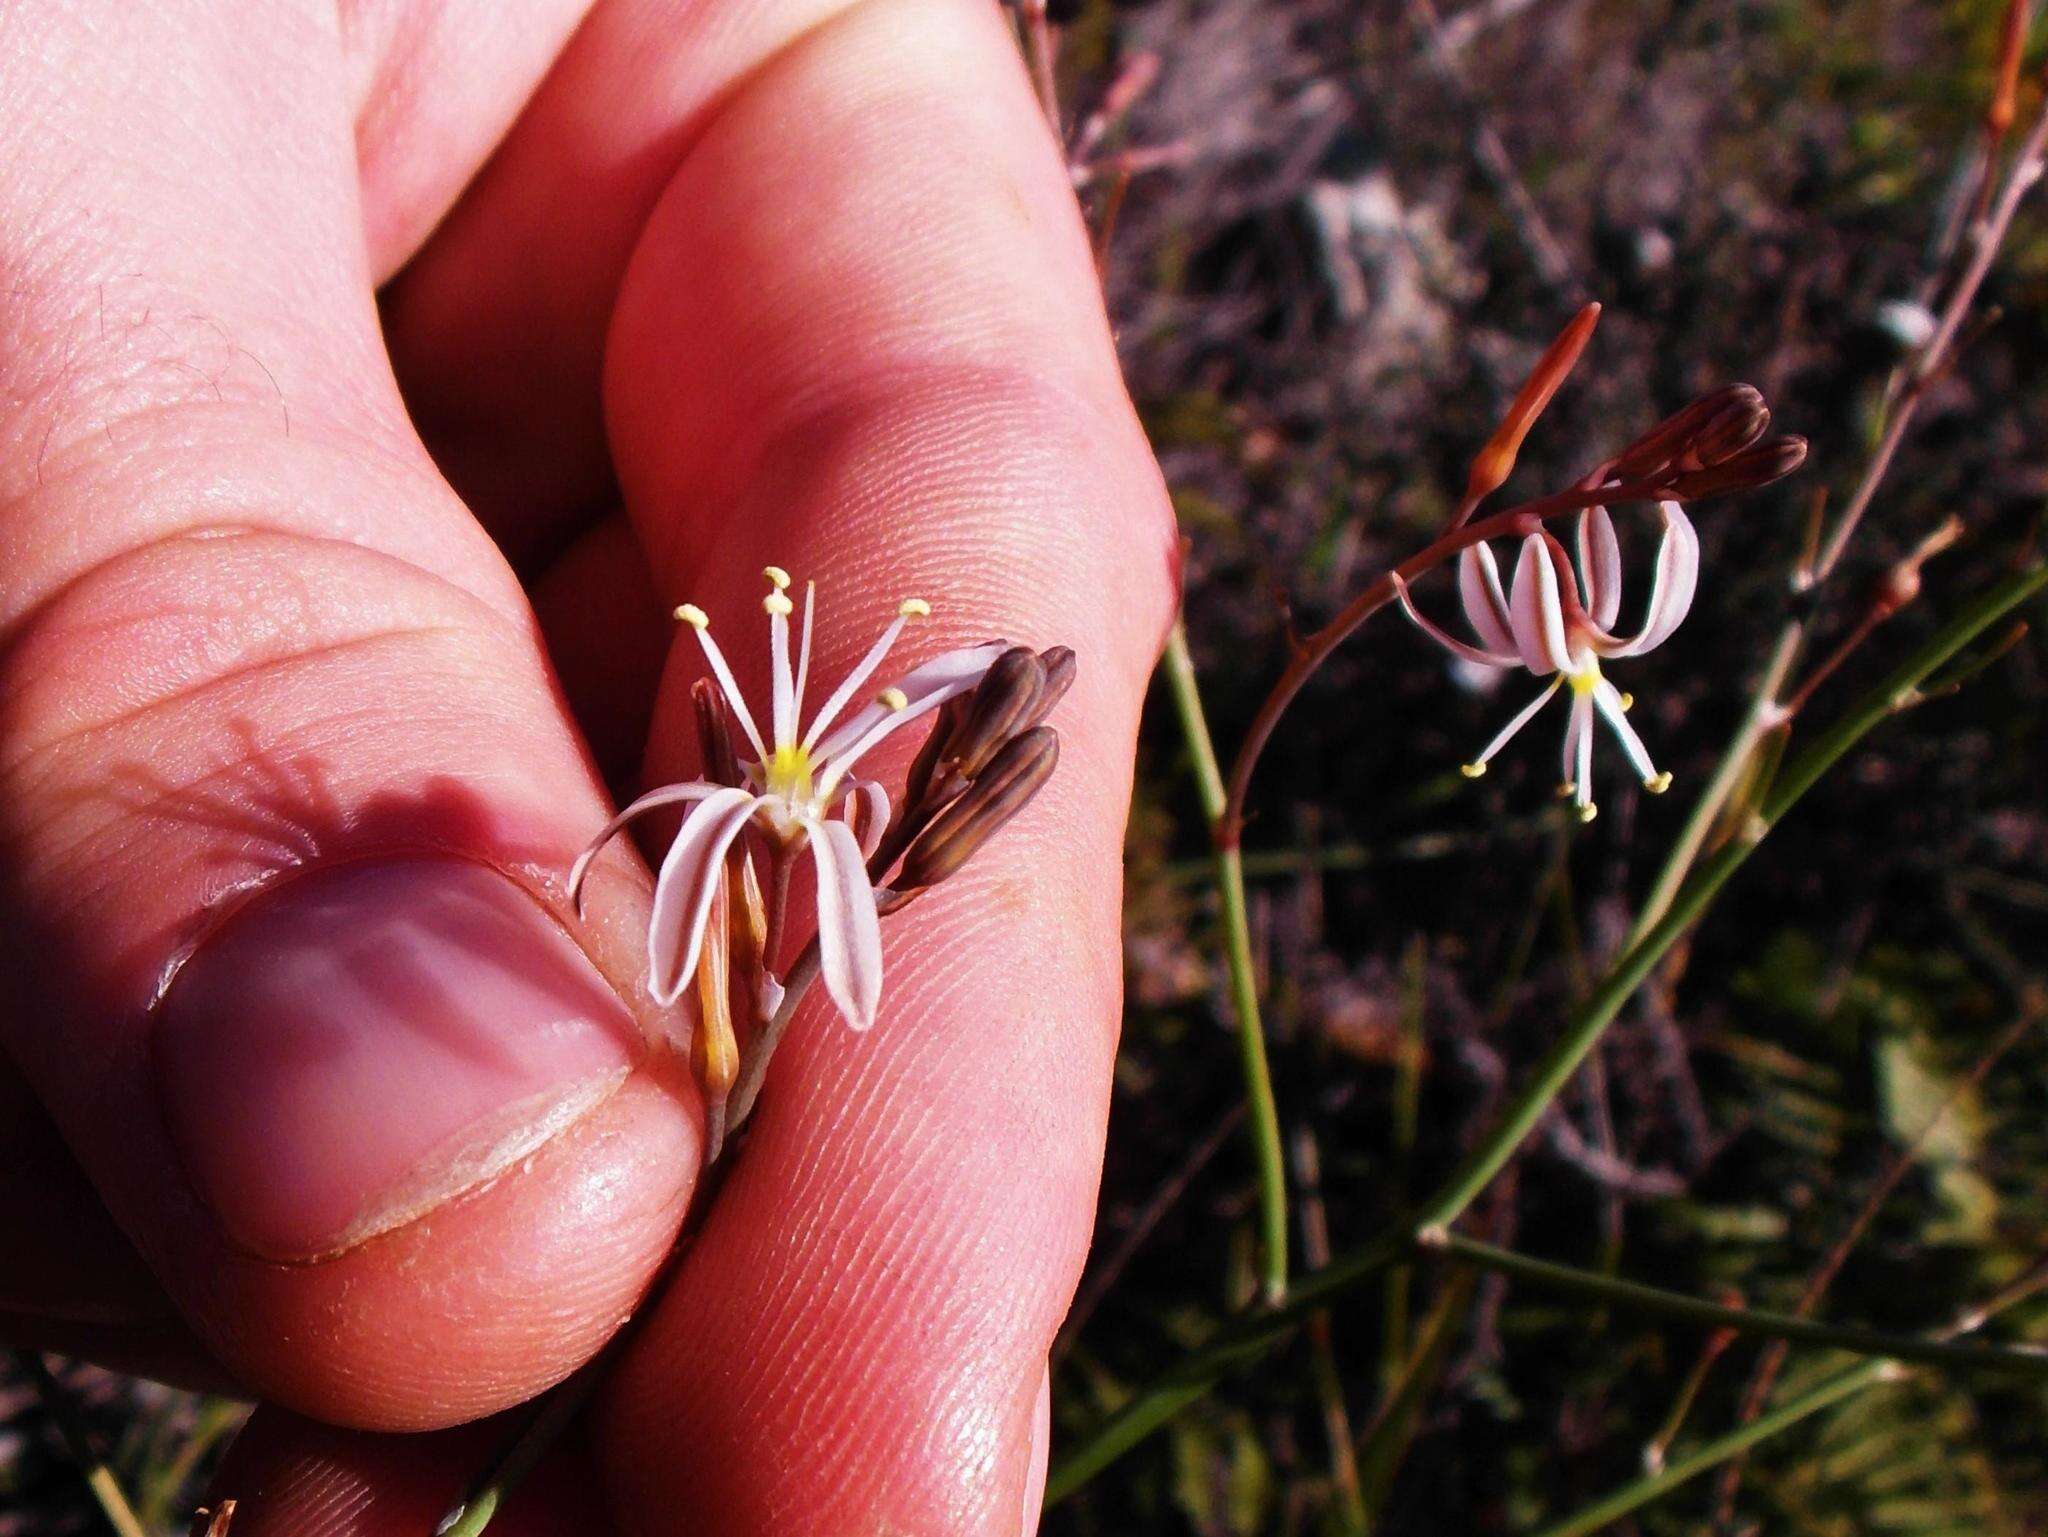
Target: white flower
1551,623
794,785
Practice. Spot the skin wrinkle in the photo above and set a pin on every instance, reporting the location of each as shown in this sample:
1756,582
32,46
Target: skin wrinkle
453,552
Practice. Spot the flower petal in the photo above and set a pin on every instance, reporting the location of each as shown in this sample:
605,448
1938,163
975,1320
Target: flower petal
1600,566
1536,611
683,889
1450,642
1486,606
653,800
1671,590
849,933
923,688
866,810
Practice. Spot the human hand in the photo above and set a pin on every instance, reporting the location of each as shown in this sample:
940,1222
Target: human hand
790,281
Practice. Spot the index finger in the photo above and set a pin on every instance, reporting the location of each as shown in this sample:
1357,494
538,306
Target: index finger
861,338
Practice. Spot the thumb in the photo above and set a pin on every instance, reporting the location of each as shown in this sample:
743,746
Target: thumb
284,779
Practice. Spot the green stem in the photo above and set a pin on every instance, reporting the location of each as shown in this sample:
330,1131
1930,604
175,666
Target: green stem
508,1471
1727,778
1263,1115
1635,1297
1237,1343
1642,1490
1246,1339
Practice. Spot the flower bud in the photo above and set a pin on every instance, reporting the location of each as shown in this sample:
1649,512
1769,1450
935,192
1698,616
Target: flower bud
717,1053
1739,423
1061,667
1007,694
1676,434
1770,460
714,734
1002,789
1493,463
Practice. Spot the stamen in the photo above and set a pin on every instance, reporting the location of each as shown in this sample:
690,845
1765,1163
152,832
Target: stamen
914,608
1522,718
699,621
1588,811
778,604
777,576
893,699
1472,770
803,656
851,683
1628,701
1657,784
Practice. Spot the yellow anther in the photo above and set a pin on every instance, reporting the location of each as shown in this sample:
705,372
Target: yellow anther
1567,790
914,608
776,576
1588,811
893,699
778,603
1657,784
1472,770
1628,701
693,616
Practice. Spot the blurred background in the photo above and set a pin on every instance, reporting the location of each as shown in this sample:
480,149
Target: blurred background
1348,231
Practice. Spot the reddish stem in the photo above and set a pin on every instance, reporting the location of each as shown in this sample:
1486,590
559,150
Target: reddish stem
1312,652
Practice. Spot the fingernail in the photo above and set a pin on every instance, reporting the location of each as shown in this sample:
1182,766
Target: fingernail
365,1042
1038,1456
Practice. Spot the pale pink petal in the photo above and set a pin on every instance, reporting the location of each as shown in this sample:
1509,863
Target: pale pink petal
866,810
653,800
1486,606
1600,566
849,933
1671,590
924,689
1522,718
685,886
1448,641
1536,611
1609,702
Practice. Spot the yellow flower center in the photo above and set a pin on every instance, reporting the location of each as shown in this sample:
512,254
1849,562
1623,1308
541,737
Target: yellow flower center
788,772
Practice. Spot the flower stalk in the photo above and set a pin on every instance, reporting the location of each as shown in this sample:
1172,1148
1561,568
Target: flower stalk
1262,1110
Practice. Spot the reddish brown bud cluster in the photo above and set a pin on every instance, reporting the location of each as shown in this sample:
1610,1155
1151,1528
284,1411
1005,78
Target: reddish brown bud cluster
1718,424
986,758
1772,459
1714,445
